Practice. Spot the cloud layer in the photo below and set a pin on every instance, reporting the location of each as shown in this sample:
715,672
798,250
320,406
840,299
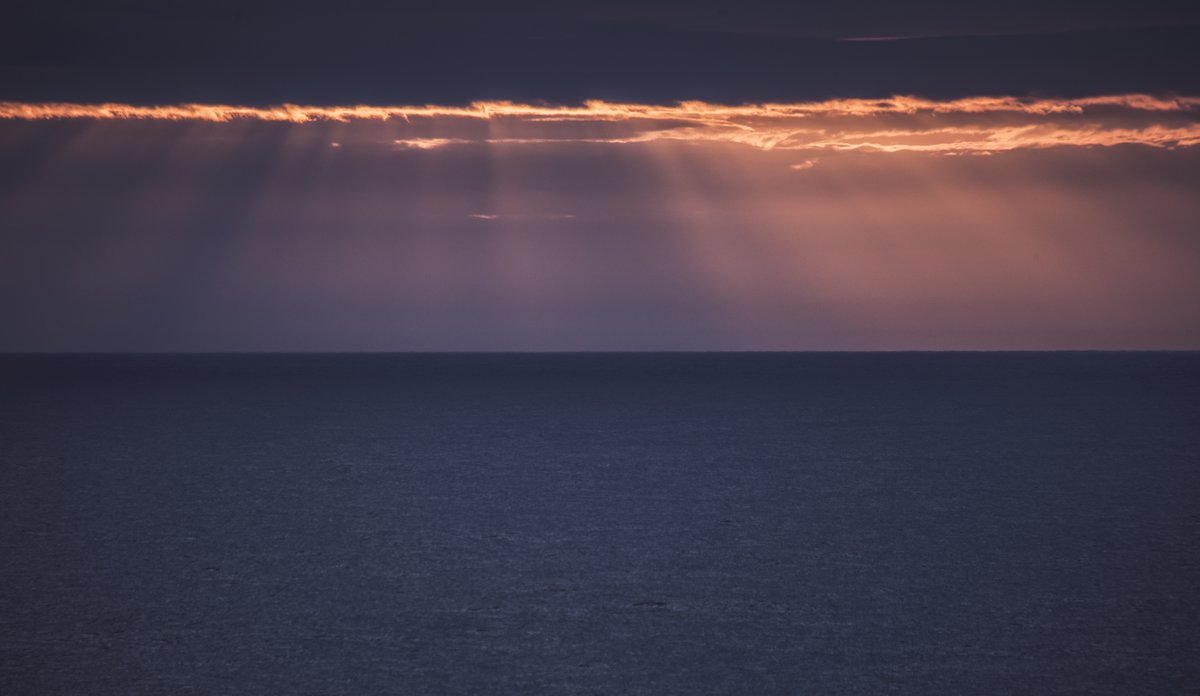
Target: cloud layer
977,125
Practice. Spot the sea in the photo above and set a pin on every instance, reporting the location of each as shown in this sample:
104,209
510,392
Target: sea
600,523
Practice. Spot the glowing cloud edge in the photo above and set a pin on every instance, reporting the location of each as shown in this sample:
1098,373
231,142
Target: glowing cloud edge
976,125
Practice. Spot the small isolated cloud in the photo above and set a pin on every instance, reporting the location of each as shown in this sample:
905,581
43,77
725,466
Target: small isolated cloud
427,143
806,164
522,216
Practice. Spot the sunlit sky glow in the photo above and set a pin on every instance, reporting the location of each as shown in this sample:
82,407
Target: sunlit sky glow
841,224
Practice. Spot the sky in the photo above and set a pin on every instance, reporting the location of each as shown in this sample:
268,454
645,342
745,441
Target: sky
861,175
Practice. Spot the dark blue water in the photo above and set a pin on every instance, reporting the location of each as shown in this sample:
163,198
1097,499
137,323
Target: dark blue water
609,524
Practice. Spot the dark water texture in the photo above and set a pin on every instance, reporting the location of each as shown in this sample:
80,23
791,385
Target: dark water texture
609,524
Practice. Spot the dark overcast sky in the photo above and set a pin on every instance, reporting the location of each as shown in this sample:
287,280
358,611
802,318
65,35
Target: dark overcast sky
375,52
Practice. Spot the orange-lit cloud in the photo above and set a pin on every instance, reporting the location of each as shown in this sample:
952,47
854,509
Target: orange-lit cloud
599,110
977,125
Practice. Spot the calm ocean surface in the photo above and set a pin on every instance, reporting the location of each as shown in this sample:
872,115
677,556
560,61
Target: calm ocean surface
604,523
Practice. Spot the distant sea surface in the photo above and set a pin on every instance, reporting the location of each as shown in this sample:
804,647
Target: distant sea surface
908,523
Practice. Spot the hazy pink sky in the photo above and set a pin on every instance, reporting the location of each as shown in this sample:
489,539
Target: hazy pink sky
902,224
